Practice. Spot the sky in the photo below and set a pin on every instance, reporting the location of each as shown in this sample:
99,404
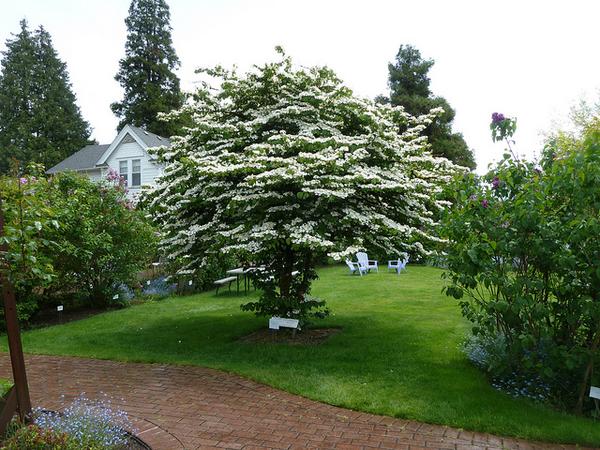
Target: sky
527,59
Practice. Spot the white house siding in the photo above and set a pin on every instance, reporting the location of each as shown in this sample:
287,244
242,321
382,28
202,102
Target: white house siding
93,174
128,151
150,171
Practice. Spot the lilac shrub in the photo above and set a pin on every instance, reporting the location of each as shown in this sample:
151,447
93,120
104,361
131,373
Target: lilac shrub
522,259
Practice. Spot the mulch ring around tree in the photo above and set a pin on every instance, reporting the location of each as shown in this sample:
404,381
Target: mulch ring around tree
309,336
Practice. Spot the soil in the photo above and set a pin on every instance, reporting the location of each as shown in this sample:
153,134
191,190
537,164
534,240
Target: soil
49,317
310,336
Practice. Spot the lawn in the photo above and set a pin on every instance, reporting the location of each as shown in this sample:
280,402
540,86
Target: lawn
398,352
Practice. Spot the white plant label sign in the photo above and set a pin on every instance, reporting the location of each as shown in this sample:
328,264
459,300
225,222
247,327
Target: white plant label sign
276,322
59,308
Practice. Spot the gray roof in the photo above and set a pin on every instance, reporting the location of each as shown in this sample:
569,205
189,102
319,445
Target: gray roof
150,139
86,158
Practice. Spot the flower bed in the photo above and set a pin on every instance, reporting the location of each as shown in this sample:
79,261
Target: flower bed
94,425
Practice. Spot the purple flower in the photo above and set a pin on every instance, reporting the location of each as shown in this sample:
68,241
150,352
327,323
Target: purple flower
112,175
23,180
485,203
473,197
495,183
497,117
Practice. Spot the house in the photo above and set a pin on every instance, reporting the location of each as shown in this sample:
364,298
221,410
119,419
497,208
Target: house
127,154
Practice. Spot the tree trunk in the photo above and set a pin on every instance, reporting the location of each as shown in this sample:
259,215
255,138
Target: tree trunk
285,275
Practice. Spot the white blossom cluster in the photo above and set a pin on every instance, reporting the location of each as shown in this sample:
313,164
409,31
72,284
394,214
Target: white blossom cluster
290,156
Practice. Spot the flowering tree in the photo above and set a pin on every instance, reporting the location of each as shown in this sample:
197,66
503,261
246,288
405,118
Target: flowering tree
283,166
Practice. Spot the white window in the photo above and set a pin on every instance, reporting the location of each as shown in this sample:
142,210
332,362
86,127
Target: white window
136,172
124,171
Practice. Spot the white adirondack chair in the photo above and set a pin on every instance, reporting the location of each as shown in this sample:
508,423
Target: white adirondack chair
398,264
365,262
355,267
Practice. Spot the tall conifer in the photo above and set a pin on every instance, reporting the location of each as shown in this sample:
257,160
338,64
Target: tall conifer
146,73
39,118
409,87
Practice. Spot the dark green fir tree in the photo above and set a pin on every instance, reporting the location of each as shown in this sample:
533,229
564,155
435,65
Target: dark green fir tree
39,118
147,71
409,87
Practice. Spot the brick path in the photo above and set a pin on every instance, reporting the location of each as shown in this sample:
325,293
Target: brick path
177,407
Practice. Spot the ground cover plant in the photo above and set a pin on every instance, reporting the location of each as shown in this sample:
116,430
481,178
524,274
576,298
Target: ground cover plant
83,424
284,166
399,352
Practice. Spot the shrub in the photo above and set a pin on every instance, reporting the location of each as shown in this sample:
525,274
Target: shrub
102,241
67,235
28,218
522,260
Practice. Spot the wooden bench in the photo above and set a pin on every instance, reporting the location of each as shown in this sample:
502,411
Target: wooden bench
224,281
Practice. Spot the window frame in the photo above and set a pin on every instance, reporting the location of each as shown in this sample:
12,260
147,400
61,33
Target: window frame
139,172
124,175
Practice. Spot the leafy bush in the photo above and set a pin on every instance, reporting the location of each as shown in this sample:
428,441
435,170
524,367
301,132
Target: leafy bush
28,218
522,258
92,424
489,353
214,268
102,241
68,235
272,303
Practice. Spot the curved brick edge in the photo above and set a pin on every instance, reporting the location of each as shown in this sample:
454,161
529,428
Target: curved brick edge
194,407
153,435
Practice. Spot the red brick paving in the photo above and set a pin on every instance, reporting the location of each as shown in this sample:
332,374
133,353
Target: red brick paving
176,407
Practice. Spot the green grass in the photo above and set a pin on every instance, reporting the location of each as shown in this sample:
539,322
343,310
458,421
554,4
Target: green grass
398,353
5,386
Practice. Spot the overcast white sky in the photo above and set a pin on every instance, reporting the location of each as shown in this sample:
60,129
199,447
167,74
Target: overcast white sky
529,59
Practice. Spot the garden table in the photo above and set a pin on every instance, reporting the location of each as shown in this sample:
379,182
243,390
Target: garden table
245,273
238,272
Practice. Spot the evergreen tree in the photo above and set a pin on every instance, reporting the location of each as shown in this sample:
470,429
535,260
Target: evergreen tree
146,72
409,87
39,119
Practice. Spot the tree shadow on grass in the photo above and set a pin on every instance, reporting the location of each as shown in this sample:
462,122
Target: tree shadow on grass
403,369
401,376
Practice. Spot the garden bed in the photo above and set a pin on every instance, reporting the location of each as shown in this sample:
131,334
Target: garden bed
311,336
